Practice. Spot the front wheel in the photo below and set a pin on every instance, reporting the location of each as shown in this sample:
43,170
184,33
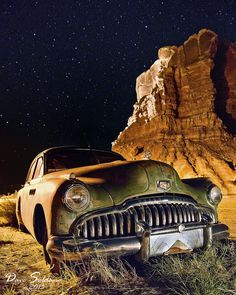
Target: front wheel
21,226
55,266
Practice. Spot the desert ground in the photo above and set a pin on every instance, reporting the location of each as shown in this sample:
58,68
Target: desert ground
23,269
227,213
20,257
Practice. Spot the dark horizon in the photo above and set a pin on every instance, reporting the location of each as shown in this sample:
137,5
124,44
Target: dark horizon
68,69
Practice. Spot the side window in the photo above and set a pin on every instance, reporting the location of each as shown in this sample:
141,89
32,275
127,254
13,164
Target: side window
39,168
31,171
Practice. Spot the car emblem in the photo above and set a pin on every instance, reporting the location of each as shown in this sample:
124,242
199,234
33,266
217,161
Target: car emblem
164,185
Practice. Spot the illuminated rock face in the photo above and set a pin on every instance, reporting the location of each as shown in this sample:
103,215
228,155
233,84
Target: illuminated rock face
185,113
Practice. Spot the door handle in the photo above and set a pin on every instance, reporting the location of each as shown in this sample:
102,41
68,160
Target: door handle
32,192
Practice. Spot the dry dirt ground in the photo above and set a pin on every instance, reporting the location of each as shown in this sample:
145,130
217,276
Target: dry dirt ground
21,261
227,213
23,269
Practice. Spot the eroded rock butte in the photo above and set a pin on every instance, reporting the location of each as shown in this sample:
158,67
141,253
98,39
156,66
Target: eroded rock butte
185,113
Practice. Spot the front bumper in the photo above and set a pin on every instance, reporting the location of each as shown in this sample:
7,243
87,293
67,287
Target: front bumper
148,242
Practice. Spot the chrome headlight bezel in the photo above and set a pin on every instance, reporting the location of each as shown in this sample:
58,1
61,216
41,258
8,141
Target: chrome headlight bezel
214,194
76,197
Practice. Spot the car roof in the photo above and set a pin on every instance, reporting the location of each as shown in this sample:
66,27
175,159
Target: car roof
73,147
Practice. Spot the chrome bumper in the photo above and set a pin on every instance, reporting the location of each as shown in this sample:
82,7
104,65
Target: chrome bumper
148,242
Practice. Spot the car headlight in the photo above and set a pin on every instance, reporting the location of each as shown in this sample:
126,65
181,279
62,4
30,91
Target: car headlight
77,197
214,195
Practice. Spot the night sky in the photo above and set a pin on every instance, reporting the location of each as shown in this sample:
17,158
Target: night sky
68,68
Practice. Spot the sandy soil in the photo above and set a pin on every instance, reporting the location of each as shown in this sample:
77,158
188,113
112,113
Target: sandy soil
22,262
227,213
23,269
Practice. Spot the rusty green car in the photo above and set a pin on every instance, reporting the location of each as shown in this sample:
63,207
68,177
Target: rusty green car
77,202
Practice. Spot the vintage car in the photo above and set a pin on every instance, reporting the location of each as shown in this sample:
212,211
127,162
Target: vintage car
77,202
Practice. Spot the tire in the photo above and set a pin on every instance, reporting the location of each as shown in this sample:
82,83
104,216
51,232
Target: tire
44,243
55,265
21,226
135,264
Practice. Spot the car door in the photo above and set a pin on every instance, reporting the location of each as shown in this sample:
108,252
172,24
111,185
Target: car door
36,177
29,196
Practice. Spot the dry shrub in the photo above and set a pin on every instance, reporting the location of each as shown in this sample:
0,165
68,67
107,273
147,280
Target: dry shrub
114,271
9,291
210,272
101,270
8,210
102,275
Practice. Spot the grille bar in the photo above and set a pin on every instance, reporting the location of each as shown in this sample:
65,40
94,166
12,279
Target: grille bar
124,223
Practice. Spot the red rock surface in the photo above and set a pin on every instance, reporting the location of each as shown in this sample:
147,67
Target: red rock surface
185,113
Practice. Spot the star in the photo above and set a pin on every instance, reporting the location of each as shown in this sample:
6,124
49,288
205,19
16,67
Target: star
68,69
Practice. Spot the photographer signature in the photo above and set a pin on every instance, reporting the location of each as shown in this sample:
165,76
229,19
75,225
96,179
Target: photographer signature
35,281
35,277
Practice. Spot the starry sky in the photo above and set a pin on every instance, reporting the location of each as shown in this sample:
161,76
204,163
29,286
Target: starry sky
68,68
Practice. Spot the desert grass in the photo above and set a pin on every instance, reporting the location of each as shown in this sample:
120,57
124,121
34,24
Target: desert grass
113,271
21,255
9,291
8,209
210,272
102,275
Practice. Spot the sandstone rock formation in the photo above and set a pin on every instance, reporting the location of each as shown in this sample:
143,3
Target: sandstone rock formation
185,113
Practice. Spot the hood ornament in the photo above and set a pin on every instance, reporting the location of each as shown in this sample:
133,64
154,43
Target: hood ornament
163,185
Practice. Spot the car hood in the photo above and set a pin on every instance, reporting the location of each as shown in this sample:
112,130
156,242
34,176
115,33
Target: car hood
127,179
119,179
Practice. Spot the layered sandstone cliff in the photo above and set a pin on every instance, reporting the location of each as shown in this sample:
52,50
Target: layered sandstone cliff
185,113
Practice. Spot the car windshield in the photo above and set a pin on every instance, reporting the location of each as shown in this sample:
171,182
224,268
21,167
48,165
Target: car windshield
66,159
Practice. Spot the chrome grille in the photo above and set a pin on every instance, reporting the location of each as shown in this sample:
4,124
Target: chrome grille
124,222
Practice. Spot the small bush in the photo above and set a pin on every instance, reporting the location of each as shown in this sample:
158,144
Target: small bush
111,272
102,275
210,272
8,210
9,291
